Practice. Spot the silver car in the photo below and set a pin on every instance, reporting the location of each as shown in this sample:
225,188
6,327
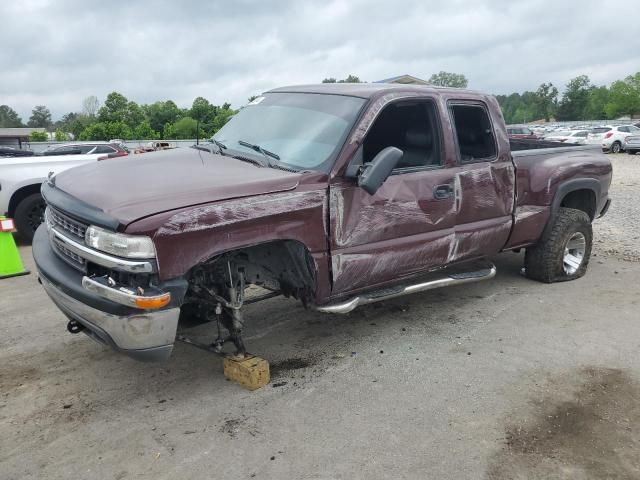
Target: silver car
632,144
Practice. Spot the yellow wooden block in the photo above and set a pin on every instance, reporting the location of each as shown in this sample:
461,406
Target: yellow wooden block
250,372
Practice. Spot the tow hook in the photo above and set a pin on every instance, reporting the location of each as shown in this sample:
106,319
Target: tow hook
75,327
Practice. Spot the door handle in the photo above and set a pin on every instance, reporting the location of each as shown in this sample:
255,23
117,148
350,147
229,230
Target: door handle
442,191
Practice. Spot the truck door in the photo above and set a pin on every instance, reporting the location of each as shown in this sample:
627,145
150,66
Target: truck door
407,225
484,183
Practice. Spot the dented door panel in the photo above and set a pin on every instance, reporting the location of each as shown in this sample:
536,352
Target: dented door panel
484,206
400,230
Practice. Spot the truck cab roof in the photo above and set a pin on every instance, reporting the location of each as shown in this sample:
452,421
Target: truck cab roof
369,90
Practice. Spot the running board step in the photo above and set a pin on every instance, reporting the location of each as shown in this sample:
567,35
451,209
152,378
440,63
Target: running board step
443,278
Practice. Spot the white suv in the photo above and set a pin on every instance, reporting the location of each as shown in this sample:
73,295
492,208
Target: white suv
612,137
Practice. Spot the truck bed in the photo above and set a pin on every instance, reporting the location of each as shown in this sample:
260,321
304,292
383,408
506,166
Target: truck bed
523,144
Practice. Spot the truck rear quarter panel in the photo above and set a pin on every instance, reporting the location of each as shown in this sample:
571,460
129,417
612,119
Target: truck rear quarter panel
544,176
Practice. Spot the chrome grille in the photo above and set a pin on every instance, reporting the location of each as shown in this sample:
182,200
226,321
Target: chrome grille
70,228
65,223
68,256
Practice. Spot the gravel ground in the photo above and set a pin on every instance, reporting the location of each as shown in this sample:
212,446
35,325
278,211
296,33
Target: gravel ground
617,234
505,379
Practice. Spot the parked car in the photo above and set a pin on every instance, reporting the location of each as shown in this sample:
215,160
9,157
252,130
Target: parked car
87,148
612,137
574,136
20,182
338,195
632,144
7,151
515,131
155,146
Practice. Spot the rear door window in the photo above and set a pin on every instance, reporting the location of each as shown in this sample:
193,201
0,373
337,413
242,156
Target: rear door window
104,149
474,132
67,150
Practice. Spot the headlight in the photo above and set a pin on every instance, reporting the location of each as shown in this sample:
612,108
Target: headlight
129,246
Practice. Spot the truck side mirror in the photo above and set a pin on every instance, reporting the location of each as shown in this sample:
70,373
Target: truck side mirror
375,173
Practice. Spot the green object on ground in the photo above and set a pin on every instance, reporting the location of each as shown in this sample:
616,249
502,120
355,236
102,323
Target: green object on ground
10,262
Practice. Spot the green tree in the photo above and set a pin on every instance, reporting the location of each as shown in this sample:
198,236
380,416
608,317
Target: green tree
624,97
223,115
9,117
596,106
519,108
201,109
65,122
447,79
115,108
134,115
575,99
78,124
167,131
145,132
349,79
106,131
546,99
60,136
185,128
40,117
161,113
38,137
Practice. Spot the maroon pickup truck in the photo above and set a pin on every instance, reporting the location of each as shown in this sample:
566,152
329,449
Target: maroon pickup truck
337,195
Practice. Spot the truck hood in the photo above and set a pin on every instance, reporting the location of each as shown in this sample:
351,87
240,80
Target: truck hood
134,187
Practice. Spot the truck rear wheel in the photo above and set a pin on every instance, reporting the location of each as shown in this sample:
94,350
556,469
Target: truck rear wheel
564,251
29,215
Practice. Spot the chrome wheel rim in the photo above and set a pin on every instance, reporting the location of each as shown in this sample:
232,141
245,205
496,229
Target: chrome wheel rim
574,253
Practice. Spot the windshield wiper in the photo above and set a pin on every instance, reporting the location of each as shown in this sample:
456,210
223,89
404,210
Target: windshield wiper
207,147
221,146
265,153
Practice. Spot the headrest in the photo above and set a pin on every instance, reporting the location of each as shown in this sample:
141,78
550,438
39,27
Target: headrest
418,138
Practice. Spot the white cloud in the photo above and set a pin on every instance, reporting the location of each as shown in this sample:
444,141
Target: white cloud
57,53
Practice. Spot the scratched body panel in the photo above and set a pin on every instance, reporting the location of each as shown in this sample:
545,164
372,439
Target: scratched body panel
193,235
397,231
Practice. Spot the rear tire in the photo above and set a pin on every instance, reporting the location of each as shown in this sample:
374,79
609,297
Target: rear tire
29,215
564,251
616,147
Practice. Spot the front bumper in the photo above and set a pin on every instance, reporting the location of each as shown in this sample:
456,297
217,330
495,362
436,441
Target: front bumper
143,335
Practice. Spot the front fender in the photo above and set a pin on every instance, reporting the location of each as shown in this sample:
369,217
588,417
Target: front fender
190,236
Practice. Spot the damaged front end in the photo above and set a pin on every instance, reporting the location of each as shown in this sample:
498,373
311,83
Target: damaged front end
219,288
113,296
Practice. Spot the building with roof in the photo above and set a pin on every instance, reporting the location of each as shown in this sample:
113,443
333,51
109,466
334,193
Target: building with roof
404,79
15,137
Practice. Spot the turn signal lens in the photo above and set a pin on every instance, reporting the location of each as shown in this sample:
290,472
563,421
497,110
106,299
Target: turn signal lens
153,303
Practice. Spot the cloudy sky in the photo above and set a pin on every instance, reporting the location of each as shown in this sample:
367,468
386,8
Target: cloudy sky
57,52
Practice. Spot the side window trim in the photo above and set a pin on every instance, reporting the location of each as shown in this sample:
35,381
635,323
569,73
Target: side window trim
478,104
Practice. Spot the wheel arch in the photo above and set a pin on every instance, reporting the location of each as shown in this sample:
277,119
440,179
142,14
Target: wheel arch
581,194
283,264
20,194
